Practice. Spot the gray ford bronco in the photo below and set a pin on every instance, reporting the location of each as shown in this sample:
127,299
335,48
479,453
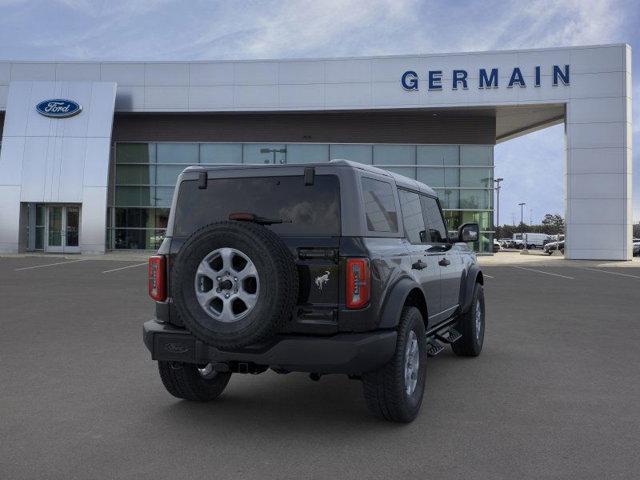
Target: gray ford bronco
322,268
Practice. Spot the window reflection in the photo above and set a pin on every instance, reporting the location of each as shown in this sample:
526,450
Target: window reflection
178,153
221,153
355,153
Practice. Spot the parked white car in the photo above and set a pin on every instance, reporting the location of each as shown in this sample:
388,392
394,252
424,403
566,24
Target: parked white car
532,240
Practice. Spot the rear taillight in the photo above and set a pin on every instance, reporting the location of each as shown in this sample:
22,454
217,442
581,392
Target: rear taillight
358,282
157,278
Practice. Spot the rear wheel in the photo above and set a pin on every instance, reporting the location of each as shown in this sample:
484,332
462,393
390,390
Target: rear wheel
193,382
395,392
471,326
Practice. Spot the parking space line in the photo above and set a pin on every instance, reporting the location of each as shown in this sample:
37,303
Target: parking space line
610,273
49,265
544,273
488,276
123,268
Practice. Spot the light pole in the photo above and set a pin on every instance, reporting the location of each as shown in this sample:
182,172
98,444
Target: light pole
497,182
274,151
522,212
524,240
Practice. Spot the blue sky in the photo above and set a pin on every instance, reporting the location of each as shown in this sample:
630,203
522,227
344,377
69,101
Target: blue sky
248,29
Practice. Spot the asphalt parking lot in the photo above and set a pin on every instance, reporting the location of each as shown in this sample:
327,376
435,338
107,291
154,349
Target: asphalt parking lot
555,394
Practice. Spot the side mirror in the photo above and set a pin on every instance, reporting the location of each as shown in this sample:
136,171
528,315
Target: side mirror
469,232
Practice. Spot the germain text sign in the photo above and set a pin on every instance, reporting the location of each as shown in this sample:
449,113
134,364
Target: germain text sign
487,78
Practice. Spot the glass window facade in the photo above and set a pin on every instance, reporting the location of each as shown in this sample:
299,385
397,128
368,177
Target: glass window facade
307,153
220,153
40,226
145,175
261,153
355,153
400,159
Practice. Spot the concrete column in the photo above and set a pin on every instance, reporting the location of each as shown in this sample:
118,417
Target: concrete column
9,218
598,207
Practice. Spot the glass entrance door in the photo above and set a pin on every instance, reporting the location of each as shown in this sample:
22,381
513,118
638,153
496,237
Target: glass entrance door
72,229
54,230
62,229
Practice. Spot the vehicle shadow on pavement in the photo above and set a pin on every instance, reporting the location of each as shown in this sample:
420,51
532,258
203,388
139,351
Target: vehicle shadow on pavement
274,401
292,403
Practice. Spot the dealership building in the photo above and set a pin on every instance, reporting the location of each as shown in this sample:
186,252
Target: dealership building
91,150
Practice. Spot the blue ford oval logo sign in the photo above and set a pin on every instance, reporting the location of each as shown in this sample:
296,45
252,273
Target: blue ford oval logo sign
58,108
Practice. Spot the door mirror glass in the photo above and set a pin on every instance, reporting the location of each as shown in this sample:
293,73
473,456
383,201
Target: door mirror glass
469,232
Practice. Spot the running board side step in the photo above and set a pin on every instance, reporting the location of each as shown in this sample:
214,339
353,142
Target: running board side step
450,336
434,348
436,341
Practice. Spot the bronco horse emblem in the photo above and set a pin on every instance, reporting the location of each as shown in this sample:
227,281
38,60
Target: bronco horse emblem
322,280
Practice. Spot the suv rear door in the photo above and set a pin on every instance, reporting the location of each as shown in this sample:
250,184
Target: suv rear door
424,262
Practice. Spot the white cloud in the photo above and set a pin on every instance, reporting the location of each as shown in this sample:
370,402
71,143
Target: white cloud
242,29
112,8
157,29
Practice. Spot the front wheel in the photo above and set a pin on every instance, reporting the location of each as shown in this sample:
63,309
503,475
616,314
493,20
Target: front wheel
471,326
199,383
395,392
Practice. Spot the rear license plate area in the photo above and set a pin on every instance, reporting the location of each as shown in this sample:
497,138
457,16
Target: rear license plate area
180,348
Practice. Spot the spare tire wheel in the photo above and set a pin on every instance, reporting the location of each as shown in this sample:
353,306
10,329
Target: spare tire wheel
234,284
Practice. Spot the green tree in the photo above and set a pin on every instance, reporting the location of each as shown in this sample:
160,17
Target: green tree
553,220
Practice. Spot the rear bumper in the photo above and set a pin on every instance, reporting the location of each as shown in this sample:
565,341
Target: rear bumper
349,353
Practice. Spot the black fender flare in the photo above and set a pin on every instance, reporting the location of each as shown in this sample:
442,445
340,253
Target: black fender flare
467,284
395,302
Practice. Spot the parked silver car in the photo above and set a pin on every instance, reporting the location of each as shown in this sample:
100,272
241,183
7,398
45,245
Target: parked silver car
552,246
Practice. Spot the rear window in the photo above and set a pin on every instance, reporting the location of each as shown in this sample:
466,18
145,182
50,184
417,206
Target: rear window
312,210
379,206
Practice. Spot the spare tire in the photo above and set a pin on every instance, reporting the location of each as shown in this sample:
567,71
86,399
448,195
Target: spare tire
234,284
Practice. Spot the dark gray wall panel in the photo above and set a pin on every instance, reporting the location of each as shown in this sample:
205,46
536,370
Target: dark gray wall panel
318,127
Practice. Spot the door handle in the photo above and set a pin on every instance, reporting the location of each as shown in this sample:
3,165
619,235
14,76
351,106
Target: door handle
444,262
419,265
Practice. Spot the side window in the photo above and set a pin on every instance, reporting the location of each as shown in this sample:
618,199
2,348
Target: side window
412,216
379,206
437,232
